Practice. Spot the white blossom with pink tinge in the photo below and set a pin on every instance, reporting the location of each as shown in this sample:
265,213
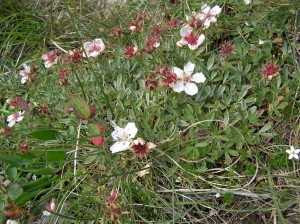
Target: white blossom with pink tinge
208,14
93,49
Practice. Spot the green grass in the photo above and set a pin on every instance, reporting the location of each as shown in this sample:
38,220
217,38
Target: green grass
229,138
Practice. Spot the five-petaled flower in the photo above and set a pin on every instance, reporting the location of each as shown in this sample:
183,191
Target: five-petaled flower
50,58
50,208
13,118
185,79
208,14
189,38
25,73
271,70
140,147
293,153
123,137
93,49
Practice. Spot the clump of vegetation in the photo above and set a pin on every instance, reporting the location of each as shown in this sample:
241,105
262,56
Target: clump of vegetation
113,113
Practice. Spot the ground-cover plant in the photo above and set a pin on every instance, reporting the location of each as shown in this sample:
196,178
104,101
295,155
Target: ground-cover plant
114,113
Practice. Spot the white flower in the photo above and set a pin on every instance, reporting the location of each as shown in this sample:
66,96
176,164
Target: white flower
217,195
16,117
186,79
247,1
261,41
208,14
293,153
50,59
189,38
25,73
123,137
93,49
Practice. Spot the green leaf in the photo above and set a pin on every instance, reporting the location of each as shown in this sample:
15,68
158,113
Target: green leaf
44,134
14,160
243,93
93,130
55,156
14,190
210,61
265,128
282,105
201,144
90,159
11,172
80,105
183,123
43,171
187,114
26,196
232,152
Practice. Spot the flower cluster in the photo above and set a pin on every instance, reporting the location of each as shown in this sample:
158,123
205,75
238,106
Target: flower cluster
191,32
113,207
124,141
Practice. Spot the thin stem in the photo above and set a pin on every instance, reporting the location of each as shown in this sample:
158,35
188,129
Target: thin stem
76,149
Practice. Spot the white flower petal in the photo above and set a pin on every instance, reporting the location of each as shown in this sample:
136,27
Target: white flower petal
178,72
130,130
206,23
200,16
189,68
247,1
296,156
178,87
215,10
116,133
201,39
23,80
119,146
181,43
193,47
191,89
44,56
205,8
198,78
186,31
94,54
100,43
11,123
46,213
10,118
27,68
